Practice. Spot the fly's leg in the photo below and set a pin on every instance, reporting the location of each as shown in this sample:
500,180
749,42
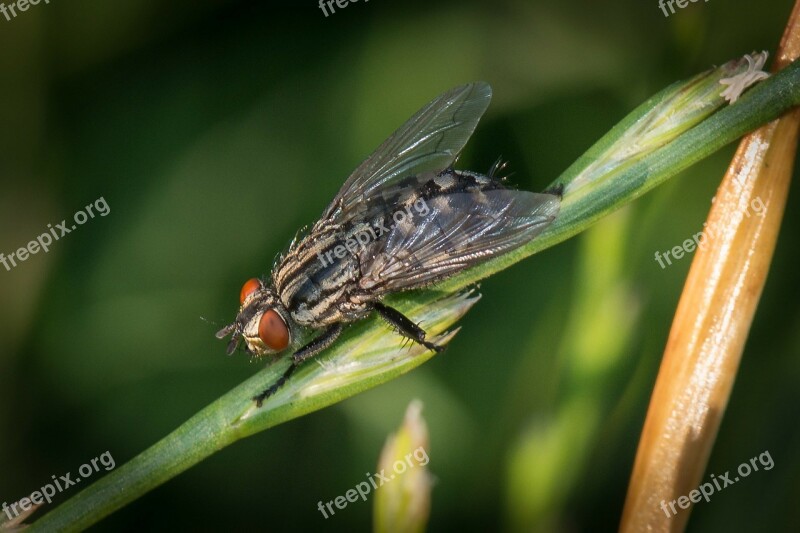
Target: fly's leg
405,326
558,190
319,343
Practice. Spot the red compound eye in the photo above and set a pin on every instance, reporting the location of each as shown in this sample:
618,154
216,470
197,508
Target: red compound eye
250,286
272,330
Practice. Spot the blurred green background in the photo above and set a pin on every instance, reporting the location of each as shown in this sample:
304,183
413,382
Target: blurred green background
214,129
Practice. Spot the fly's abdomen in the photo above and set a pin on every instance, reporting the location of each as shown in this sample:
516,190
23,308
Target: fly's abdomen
448,222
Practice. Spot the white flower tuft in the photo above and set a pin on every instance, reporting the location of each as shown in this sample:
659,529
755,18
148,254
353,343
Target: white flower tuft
738,83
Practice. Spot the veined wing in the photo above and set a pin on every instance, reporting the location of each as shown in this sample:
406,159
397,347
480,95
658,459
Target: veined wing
460,230
429,141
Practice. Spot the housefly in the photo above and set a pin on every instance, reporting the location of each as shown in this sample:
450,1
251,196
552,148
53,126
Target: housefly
403,220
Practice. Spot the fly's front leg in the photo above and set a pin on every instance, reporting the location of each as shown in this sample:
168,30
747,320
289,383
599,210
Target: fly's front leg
405,326
319,343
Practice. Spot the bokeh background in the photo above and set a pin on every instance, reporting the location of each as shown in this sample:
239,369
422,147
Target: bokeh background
214,129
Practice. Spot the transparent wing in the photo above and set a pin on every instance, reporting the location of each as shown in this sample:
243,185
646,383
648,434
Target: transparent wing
429,141
460,230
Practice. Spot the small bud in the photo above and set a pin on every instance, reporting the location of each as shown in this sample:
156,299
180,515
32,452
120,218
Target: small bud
665,116
402,504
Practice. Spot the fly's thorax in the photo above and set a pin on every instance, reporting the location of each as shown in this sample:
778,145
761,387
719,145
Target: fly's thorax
301,257
315,279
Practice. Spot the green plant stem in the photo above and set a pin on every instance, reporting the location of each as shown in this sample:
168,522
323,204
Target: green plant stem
207,432
233,415
761,104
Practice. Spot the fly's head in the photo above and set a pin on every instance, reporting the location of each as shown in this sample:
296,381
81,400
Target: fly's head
263,321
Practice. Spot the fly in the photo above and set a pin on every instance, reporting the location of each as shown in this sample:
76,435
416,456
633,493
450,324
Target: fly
404,219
